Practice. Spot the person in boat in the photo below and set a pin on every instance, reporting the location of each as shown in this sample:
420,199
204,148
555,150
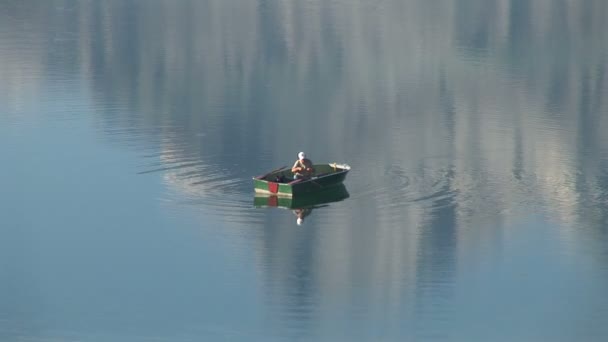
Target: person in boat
302,168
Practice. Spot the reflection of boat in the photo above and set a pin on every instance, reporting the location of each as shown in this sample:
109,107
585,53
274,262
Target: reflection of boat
280,182
335,193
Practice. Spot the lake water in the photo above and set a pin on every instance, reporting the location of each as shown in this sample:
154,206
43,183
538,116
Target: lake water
477,203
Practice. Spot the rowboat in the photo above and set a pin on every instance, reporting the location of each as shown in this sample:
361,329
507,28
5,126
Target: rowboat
310,200
281,181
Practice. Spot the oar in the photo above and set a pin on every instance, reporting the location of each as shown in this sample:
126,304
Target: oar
312,180
271,172
317,184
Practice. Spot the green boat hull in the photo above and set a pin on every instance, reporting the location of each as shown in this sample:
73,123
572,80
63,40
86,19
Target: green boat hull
329,195
281,182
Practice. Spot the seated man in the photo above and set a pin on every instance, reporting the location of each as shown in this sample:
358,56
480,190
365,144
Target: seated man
302,168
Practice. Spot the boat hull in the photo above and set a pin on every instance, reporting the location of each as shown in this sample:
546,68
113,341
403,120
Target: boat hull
281,182
319,198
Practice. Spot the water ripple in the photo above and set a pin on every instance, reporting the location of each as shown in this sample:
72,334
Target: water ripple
399,187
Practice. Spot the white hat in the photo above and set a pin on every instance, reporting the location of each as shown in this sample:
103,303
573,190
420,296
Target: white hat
299,221
301,155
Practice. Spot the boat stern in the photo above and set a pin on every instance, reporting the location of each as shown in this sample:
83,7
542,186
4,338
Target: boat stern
272,188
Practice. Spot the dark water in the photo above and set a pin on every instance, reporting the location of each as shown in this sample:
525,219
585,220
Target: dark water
477,206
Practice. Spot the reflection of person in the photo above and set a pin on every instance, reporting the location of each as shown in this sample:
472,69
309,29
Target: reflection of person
301,213
302,168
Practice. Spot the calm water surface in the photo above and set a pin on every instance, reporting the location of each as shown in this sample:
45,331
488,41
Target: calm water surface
477,204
